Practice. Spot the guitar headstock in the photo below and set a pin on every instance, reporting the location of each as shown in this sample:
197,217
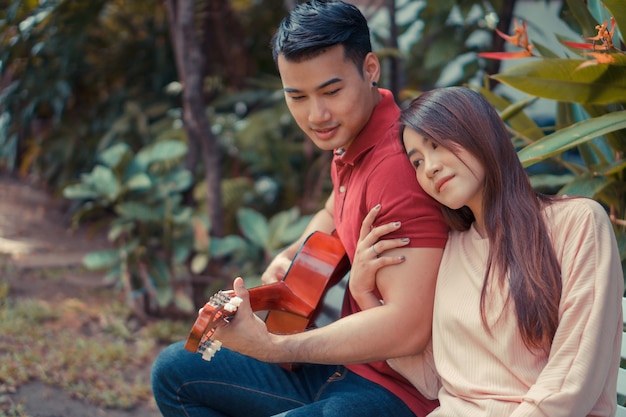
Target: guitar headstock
216,312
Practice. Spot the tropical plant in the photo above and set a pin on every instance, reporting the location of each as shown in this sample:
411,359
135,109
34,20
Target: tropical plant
424,44
66,70
589,89
139,197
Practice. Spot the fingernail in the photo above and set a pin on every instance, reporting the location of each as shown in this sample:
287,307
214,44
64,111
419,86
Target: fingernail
405,239
377,206
402,258
397,224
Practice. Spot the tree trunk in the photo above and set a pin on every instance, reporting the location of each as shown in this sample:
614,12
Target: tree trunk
187,34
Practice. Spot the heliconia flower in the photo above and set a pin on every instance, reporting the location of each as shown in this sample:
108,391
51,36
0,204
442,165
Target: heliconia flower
520,39
604,36
579,45
507,55
603,58
600,58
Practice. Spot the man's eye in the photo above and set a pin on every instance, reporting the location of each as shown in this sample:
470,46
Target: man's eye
333,92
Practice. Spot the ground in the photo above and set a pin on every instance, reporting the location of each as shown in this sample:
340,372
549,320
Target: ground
41,260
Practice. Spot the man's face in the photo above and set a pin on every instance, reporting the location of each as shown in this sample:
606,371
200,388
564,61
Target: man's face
328,97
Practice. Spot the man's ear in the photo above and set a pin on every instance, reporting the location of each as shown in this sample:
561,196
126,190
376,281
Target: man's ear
371,68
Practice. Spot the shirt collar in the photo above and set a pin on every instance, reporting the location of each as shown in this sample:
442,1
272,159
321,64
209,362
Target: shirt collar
384,116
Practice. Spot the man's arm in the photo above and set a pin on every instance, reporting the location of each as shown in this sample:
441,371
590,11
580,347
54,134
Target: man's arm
322,221
399,327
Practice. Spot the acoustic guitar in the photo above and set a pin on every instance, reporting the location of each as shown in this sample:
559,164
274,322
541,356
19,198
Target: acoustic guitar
293,304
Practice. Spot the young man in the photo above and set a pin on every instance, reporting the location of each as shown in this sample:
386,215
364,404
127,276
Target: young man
329,75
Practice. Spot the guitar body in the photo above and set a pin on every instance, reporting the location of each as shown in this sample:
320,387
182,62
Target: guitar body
320,263
292,303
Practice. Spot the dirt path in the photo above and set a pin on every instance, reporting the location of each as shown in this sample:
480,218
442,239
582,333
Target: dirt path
35,236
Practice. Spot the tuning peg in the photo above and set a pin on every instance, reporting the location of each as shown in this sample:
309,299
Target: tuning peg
210,348
233,304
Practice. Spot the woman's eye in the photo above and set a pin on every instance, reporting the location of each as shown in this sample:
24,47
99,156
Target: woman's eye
417,163
435,145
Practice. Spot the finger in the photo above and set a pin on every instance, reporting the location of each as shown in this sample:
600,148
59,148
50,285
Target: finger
240,288
384,261
368,221
382,246
378,232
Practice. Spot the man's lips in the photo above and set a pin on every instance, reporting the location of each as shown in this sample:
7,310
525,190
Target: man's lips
325,133
441,182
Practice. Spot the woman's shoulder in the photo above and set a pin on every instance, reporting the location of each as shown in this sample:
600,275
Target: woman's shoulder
569,214
571,206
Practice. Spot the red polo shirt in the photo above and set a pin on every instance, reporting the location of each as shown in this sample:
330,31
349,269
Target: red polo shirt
375,169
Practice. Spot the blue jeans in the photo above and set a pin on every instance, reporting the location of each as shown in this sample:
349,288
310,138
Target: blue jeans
235,385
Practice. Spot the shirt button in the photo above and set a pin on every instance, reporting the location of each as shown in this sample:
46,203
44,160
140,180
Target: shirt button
342,189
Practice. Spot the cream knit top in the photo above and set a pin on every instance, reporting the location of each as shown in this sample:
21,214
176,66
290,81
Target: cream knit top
495,375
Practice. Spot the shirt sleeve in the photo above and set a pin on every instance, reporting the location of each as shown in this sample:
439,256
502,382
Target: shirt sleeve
585,352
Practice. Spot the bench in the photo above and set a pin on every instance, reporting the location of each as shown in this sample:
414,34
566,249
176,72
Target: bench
621,377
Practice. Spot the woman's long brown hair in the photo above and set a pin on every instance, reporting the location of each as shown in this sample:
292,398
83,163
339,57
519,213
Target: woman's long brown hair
520,245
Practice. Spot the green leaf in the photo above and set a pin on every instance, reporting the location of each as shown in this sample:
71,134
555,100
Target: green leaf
226,246
119,228
550,181
279,223
614,168
137,211
562,80
513,115
183,302
253,226
295,230
79,191
544,50
164,295
618,11
571,137
112,156
138,182
586,186
166,150
105,183
101,259
583,16
177,181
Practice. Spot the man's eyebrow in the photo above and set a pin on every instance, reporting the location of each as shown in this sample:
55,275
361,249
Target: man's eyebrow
319,87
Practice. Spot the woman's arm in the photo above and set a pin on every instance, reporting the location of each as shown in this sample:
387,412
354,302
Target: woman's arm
368,259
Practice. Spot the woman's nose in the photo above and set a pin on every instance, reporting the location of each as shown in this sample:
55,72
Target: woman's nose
432,167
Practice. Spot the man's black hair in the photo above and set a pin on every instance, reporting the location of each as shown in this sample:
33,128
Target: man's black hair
313,27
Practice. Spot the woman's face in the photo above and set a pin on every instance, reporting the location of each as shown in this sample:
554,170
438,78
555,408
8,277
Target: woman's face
453,179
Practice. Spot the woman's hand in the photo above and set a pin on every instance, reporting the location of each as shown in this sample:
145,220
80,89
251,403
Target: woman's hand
368,259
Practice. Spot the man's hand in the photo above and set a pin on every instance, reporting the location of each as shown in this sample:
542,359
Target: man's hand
277,269
246,333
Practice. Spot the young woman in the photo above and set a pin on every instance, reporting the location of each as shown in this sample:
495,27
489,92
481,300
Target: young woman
527,315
